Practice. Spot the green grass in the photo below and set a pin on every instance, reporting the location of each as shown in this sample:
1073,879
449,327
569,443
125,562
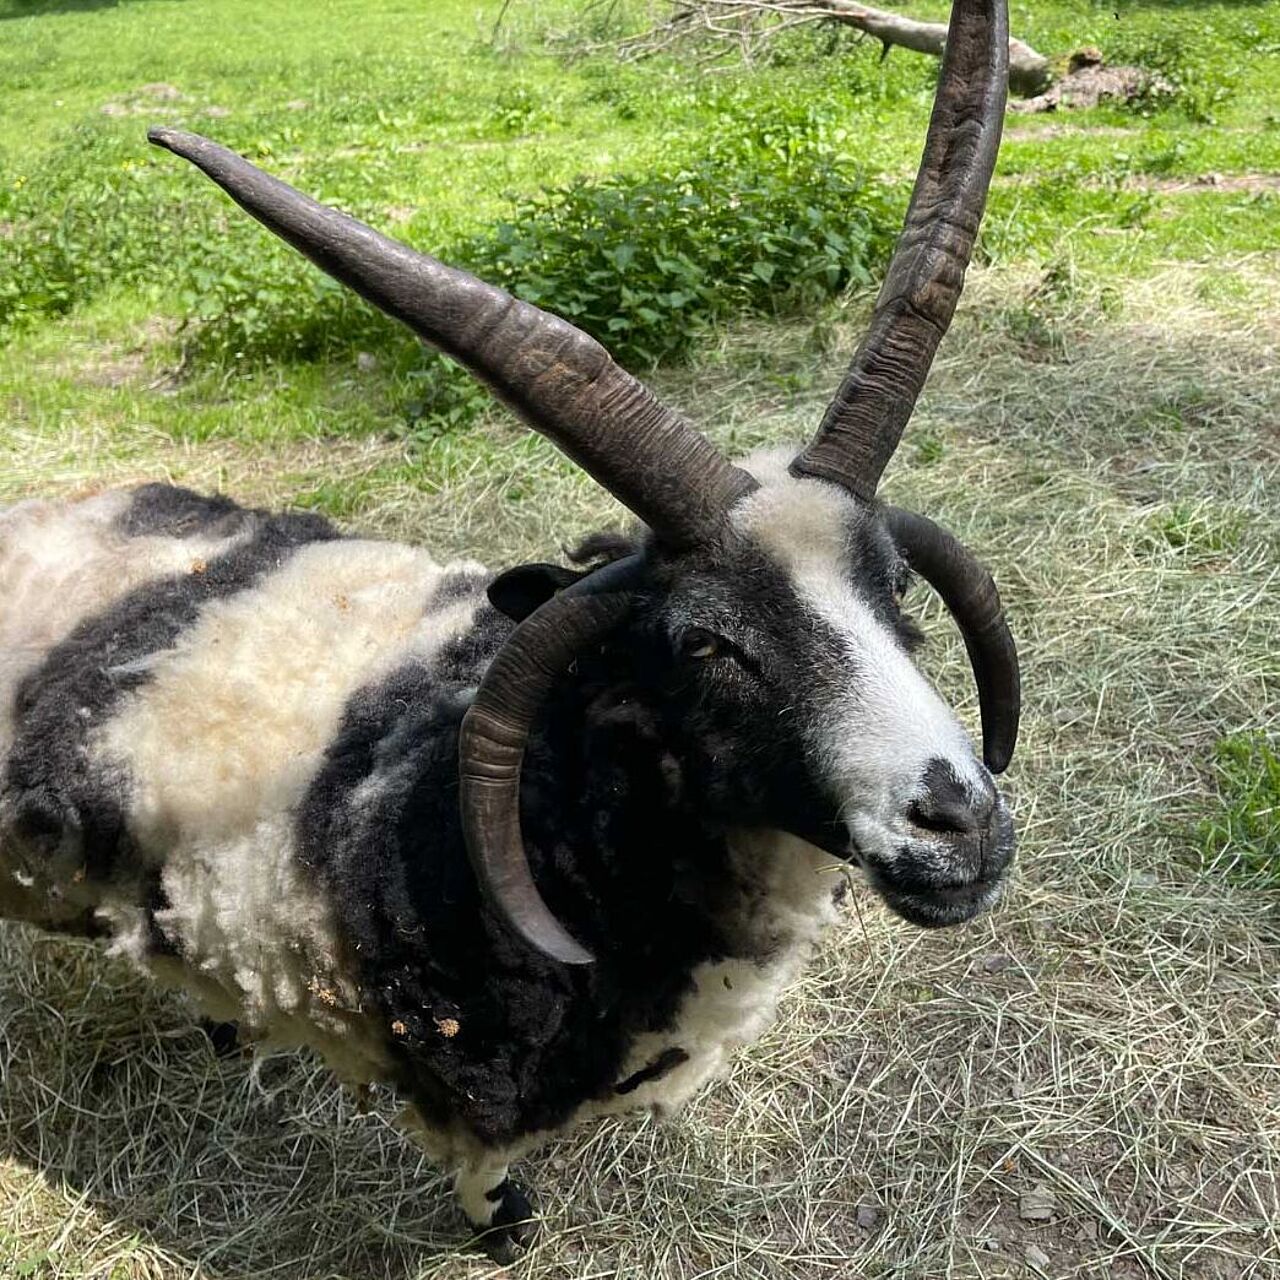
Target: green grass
1101,424
1243,835
438,133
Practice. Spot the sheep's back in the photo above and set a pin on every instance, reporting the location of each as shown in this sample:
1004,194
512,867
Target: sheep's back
174,669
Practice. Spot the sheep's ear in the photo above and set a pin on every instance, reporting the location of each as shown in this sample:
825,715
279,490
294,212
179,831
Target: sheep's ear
519,591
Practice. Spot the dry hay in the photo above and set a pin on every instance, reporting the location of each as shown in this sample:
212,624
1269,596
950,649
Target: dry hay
1082,1084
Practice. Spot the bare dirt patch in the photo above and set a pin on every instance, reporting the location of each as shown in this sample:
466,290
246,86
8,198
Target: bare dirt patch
1249,183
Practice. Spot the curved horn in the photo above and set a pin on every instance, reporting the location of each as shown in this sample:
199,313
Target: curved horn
865,421
559,379
970,594
496,729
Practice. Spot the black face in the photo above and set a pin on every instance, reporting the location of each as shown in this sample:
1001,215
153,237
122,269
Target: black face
733,657
781,690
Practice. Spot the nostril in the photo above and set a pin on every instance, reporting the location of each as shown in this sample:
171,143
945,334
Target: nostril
950,807
929,817
945,818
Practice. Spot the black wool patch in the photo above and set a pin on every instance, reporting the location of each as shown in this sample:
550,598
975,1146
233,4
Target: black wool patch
666,1062
525,1041
165,510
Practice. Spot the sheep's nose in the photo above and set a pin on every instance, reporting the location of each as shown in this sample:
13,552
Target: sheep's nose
949,807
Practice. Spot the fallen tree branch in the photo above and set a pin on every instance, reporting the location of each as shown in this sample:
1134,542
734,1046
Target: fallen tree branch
751,21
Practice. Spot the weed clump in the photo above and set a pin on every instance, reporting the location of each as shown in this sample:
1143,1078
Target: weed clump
1186,73
82,220
1243,836
768,220
100,214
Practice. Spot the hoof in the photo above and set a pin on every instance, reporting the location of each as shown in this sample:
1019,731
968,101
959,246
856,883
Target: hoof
513,1227
224,1037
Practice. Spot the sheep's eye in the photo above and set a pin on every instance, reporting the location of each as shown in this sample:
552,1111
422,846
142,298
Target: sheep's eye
700,644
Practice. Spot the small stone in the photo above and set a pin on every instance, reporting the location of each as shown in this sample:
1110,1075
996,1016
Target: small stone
366,362
1036,1257
867,1216
1037,1205
995,963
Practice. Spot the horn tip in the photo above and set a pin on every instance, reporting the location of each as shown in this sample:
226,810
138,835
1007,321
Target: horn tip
549,937
567,951
998,755
176,140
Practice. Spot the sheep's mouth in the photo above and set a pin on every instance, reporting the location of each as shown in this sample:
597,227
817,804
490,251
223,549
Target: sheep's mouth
939,908
924,901
924,894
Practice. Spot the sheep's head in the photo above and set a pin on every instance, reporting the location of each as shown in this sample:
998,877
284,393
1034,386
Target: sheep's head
809,711
770,590
772,673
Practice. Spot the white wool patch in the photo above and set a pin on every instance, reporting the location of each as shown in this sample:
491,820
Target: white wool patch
63,562
472,1184
222,743
60,563
886,724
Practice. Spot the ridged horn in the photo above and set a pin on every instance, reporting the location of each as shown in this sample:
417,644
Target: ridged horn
496,730
969,592
865,421
558,378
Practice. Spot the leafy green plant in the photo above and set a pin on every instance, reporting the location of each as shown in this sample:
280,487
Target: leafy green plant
444,398
646,264
930,448
272,305
517,111
1194,529
1243,834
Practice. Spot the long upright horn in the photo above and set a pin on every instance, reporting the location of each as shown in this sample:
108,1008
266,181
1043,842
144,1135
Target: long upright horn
559,379
865,421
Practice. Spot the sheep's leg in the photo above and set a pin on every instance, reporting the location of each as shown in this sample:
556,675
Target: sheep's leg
495,1206
224,1037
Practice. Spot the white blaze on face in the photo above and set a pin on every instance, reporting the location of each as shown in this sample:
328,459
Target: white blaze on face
885,725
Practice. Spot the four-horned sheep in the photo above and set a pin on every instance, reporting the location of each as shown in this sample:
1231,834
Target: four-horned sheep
533,846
